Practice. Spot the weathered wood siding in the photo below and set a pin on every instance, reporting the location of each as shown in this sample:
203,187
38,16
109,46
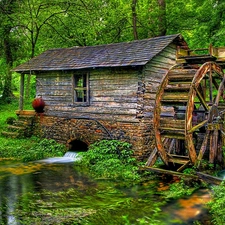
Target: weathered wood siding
154,72
113,94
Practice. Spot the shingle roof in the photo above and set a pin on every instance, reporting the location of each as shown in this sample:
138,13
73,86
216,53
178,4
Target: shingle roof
134,53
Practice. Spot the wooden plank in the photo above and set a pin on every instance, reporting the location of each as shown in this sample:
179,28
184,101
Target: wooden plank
183,72
175,97
56,92
163,61
121,98
170,131
202,149
199,175
170,172
179,136
156,121
172,123
53,87
176,88
98,116
213,146
152,158
209,179
112,92
114,105
161,64
180,77
185,165
178,159
21,91
94,110
111,87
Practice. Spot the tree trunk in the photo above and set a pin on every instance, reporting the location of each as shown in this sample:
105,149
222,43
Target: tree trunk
162,17
27,90
134,18
7,90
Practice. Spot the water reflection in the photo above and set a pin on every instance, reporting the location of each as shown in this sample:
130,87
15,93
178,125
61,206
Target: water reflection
10,188
18,179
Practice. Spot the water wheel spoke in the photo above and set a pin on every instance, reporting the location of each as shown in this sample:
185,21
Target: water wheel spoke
202,89
220,150
196,127
214,80
201,99
210,85
220,95
171,146
202,149
213,146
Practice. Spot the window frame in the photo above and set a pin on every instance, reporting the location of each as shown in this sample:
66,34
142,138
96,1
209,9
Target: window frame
84,88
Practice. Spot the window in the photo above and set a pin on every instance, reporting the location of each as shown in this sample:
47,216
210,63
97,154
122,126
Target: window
81,88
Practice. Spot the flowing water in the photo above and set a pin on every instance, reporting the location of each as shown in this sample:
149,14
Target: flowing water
52,191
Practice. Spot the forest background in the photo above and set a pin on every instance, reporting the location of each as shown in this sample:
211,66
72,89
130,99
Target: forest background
29,27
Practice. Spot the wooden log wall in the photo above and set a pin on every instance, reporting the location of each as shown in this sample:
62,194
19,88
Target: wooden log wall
121,100
153,73
113,94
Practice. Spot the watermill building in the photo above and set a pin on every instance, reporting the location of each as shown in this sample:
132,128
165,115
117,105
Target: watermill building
110,92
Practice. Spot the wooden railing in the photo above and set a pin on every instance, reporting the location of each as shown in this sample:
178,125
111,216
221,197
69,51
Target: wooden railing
217,52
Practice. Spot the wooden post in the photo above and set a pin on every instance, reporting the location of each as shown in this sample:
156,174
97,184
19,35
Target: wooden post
21,91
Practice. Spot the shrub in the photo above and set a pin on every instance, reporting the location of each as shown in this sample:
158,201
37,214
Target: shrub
110,159
217,204
10,120
44,149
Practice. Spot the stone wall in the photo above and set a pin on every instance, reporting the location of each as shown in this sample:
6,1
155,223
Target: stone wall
65,130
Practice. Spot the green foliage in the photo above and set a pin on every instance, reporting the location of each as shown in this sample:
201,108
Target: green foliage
44,149
217,204
147,219
111,159
10,120
180,189
30,149
35,26
100,204
190,171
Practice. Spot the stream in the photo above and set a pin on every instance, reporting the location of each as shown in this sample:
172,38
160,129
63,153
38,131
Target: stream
52,191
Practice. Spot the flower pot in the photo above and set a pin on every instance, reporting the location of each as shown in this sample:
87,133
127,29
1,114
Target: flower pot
38,105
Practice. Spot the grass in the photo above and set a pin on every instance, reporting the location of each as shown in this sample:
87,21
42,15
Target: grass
25,149
11,147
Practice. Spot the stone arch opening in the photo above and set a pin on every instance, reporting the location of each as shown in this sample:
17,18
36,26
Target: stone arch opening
77,145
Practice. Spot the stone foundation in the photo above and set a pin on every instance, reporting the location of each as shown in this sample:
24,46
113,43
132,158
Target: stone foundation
65,130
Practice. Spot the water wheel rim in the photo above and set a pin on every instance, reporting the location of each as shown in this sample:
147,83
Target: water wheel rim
156,122
207,68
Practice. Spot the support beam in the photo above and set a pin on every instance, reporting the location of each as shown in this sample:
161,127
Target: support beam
21,91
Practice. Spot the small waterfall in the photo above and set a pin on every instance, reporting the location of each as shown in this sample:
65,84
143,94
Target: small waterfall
67,158
70,154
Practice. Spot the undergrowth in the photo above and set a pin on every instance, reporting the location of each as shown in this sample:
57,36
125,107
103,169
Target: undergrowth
110,159
217,204
24,149
30,149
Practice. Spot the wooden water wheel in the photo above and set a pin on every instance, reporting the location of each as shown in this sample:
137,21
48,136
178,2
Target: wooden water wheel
188,116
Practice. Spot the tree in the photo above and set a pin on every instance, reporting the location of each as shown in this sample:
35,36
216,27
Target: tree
134,18
162,17
7,8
